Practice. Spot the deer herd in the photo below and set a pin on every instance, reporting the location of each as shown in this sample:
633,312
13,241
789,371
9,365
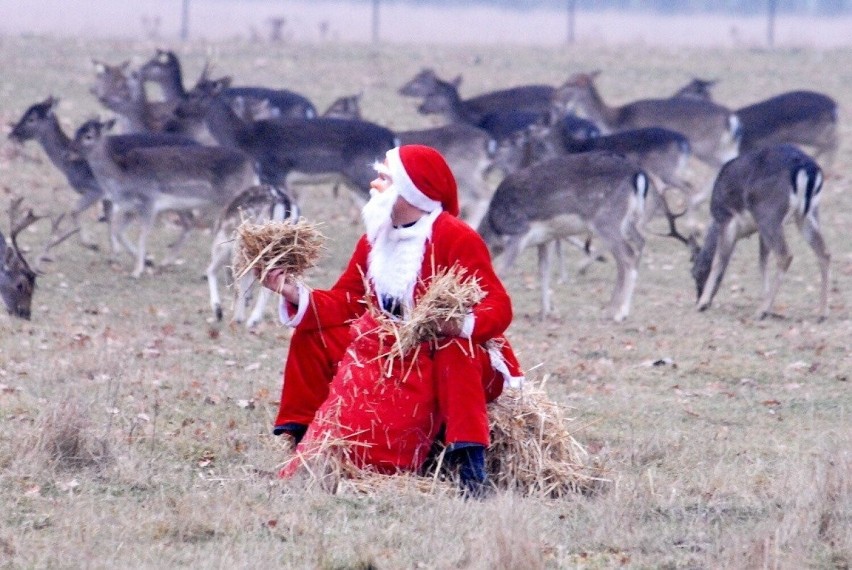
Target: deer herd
573,169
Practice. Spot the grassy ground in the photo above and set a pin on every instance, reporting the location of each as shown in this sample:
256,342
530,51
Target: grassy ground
136,430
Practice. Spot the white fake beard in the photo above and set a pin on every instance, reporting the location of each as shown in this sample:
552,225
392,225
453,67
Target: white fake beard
376,213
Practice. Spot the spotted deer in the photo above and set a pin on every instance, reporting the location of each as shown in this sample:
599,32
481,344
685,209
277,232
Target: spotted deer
256,204
713,131
595,193
759,192
148,181
39,122
17,277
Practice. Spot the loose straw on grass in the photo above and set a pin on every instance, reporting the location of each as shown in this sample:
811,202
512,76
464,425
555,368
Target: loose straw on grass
292,247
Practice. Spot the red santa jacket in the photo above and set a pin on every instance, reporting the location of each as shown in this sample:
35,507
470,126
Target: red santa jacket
451,242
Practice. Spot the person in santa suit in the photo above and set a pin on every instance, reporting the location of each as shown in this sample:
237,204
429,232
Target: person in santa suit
412,232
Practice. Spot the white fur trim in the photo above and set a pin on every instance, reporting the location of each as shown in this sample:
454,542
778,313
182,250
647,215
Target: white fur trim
467,326
405,186
284,308
499,364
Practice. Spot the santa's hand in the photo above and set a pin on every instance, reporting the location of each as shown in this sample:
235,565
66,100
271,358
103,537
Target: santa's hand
450,327
275,279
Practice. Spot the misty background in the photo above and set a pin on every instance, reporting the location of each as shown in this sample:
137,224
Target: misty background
723,23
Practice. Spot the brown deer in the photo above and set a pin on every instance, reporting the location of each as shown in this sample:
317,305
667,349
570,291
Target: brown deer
17,277
758,192
713,131
258,204
595,193
147,181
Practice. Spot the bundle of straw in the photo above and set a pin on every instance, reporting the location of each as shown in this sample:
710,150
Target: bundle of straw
293,247
532,450
449,297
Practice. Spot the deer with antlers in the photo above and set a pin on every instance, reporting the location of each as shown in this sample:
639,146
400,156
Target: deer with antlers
17,277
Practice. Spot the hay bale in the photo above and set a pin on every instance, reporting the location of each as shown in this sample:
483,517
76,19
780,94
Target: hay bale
293,247
532,451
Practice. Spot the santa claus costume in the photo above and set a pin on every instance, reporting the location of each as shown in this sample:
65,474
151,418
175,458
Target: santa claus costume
446,384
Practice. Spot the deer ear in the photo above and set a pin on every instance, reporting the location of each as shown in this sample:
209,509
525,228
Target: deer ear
456,81
108,125
124,65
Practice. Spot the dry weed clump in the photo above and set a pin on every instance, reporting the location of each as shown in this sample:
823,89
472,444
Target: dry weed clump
292,247
67,438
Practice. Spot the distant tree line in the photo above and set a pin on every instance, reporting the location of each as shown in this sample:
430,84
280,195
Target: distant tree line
742,7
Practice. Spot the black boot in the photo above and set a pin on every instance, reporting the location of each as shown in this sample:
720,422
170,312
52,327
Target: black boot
294,430
469,460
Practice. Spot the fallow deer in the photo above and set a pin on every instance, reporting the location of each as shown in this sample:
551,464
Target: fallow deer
802,118
147,181
713,131
597,193
258,204
40,123
758,192
17,277
345,148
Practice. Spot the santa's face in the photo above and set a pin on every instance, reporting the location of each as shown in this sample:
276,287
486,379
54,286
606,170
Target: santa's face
378,210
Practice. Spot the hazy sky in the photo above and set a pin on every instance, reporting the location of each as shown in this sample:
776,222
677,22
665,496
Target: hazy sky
216,19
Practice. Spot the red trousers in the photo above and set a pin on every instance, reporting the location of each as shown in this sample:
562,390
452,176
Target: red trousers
463,374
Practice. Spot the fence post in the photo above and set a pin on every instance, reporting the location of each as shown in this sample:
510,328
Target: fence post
184,21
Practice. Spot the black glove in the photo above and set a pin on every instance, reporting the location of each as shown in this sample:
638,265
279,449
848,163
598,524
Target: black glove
294,430
469,459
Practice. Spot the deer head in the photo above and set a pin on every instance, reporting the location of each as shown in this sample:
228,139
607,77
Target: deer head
17,278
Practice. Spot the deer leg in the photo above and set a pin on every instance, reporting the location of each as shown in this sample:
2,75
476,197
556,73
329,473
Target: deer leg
145,228
218,258
772,234
545,251
763,262
85,202
186,222
626,262
506,261
259,307
813,236
724,250
118,226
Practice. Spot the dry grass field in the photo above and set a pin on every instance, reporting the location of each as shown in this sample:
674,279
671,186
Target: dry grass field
136,431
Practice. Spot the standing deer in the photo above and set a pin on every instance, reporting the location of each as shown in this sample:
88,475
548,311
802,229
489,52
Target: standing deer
40,123
147,181
713,131
758,192
344,148
802,118
595,193
258,204
17,278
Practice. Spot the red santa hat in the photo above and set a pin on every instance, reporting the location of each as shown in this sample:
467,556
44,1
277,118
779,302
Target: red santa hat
423,178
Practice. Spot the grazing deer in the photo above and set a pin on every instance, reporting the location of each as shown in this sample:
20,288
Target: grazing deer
346,107
17,278
147,181
40,123
258,204
344,148
598,193
712,130
802,118
758,192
